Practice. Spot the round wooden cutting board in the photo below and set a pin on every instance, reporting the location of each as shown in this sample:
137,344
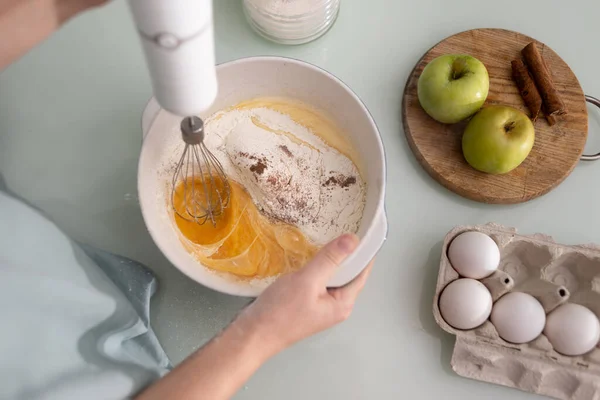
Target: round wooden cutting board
556,151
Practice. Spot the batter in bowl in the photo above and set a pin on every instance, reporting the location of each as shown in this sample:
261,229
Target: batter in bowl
295,186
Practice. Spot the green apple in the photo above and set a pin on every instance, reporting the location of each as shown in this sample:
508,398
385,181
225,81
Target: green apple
498,139
453,87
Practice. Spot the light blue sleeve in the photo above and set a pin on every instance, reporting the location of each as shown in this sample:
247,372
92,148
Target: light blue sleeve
75,320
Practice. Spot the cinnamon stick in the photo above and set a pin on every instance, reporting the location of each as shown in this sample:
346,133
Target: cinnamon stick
553,104
527,88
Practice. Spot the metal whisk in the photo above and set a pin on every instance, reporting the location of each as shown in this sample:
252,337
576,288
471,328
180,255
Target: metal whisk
205,189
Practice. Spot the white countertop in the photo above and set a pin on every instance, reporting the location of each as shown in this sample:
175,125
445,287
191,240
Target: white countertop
70,138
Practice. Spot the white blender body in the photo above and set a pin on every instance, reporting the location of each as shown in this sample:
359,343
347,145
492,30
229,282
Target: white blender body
178,41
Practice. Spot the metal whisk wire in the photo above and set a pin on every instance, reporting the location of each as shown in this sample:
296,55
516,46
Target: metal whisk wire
207,200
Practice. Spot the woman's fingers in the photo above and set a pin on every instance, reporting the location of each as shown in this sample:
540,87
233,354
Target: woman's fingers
348,293
326,261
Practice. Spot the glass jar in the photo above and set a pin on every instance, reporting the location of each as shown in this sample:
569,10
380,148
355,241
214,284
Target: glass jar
291,21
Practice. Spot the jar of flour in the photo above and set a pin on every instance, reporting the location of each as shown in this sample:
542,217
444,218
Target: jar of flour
291,21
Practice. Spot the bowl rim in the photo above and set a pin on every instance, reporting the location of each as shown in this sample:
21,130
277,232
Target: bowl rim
380,210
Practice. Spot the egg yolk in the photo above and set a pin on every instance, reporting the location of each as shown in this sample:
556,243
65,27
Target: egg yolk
242,241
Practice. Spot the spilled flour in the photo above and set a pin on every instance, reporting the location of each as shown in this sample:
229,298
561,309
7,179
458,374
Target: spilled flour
291,173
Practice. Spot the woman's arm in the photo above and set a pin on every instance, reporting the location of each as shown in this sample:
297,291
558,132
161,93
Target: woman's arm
29,22
217,370
294,307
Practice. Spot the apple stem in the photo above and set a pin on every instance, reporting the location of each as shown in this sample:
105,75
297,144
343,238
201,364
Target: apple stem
508,127
459,67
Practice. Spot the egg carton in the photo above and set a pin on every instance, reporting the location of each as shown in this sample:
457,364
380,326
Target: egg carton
552,273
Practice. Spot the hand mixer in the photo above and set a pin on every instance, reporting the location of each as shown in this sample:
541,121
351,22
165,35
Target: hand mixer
178,42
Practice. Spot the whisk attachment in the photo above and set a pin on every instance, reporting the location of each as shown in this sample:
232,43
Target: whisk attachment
200,190
192,130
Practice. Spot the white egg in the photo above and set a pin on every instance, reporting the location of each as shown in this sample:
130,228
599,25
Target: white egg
518,317
474,255
572,329
465,303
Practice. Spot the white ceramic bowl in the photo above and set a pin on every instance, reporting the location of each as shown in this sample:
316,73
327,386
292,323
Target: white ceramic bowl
267,76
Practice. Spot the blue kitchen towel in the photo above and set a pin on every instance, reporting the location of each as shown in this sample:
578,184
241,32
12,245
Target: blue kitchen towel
75,319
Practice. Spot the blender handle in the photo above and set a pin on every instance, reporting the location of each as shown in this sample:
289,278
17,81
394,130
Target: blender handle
177,37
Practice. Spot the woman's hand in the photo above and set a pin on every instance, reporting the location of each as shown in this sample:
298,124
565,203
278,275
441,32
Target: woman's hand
299,304
41,17
65,9
295,306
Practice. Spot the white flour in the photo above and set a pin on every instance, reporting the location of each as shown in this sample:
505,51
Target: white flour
291,21
292,175
289,8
